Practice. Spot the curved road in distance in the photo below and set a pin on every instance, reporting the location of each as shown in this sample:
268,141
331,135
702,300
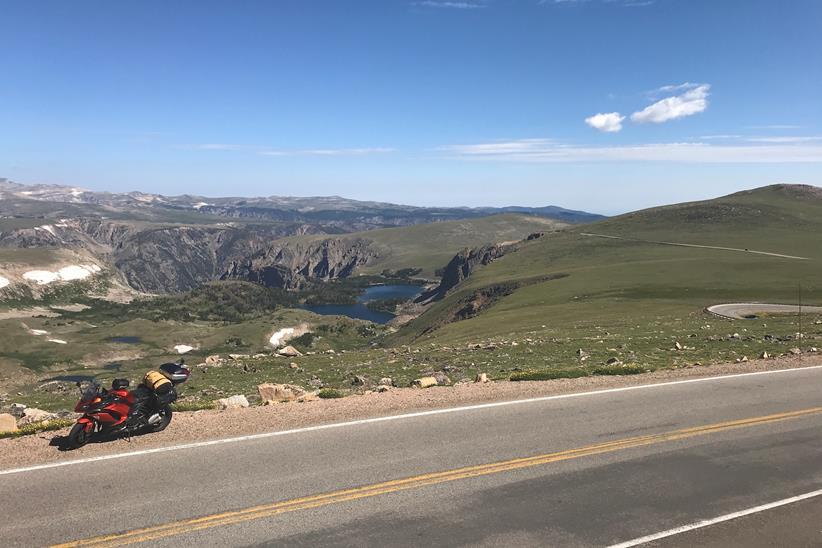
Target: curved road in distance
593,469
739,311
679,244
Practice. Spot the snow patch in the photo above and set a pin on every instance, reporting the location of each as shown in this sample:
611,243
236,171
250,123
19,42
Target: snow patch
38,332
47,228
66,274
287,333
278,338
58,341
4,282
74,272
198,205
76,192
41,277
183,348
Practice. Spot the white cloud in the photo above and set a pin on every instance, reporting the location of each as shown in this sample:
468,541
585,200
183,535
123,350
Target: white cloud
327,151
610,122
721,136
786,139
776,126
549,151
693,101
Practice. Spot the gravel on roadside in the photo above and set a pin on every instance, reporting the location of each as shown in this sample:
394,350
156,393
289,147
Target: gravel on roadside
212,424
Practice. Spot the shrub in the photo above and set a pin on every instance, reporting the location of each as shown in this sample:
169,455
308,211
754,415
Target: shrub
330,393
192,405
627,369
303,341
35,427
548,375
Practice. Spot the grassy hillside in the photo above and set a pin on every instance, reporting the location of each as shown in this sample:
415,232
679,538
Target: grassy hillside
562,305
430,246
632,287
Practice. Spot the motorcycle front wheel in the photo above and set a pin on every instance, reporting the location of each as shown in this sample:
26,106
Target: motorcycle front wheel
78,436
165,420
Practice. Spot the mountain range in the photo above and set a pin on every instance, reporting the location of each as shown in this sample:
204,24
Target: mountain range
158,244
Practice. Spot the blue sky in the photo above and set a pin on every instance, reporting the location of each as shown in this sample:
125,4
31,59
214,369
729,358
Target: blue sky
605,105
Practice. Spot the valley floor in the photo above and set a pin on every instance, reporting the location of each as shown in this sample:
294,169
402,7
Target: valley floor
199,426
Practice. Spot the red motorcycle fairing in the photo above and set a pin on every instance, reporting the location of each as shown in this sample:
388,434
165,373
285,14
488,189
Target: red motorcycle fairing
87,423
110,410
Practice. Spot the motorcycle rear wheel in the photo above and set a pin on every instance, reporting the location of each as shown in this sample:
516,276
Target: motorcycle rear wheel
78,436
165,420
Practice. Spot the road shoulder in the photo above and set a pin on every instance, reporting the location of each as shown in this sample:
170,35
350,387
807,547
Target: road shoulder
208,425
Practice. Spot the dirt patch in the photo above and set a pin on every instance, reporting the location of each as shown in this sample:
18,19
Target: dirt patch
75,307
202,425
14,313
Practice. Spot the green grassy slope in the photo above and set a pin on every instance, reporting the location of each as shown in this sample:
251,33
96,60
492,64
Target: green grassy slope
619,285
430,246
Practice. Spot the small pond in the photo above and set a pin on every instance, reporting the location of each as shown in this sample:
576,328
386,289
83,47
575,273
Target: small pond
126,340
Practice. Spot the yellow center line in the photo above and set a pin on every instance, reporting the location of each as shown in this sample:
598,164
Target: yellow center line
415,482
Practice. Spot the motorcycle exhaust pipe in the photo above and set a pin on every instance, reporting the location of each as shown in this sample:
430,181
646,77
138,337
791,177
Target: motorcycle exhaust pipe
154,419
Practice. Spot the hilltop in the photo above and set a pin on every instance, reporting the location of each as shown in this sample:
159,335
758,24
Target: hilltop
598,282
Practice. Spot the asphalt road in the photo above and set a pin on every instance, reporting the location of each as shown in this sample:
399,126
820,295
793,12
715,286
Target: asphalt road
592,470
738,311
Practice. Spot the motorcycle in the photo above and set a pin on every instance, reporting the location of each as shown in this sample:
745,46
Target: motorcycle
118,410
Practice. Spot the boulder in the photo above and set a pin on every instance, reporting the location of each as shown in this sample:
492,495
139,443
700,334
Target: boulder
309,396
7,423
214,359
679,346
387,381
764,356
442,378
293,365
795,351
613,361
424,382
18,410
289,351
358,380
383,388
316,382
32,415
233,402
274,393
239,356
481,377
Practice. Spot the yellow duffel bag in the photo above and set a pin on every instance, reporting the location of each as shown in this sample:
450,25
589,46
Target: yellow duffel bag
157,382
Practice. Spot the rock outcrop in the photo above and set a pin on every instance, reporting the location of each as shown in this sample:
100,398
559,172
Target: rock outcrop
462,266
291,264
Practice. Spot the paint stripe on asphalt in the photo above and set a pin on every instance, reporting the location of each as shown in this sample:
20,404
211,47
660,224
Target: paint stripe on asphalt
273,509
714,521
418,414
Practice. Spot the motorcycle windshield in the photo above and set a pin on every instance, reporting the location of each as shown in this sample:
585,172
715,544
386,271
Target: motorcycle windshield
91,390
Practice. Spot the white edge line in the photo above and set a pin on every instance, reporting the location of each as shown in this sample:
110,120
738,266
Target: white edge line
714,521
391,418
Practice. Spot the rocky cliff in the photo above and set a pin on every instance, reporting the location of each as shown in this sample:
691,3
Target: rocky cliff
157,259
466,262
462,265
291,265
